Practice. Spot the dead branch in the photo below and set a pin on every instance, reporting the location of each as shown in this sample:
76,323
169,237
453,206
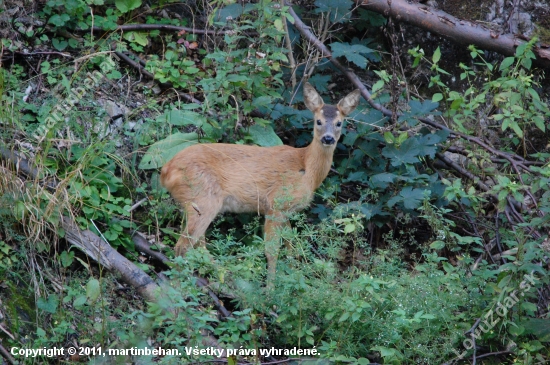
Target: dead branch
22,165
6,355
100,251
161,27
134,64
457,30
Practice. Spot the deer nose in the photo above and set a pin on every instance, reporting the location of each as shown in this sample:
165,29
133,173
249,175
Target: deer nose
327,140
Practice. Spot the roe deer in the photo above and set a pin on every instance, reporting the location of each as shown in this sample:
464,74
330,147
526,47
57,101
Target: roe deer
208,179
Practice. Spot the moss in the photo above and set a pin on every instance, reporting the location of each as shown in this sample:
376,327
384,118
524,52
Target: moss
543,33
20,307
469,9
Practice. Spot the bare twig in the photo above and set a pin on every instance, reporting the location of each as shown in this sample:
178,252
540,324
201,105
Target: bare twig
6,355
163,27
135,64
495,354
288,43
138,204
7,332
481,185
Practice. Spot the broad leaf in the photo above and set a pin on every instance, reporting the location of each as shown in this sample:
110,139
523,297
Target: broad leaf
264,136
411,198
93,289
418,109
162,151
353,53
232,11
538,327
184,117
126,5
407,153
49,305
339,9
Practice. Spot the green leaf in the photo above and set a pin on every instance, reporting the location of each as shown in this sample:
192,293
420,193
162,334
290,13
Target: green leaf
184,117
506,63
407,153
339,9
237,78
418,109
538,327
350,227
137,37
373,18
49,305
59,20
80,301
377,86
92,289
353,53
437,97
411,198
515,126
66,258
343,317
278,23
264,136
162,151
539,122
436,56
233,11
437,245
58,44
192,70
127,5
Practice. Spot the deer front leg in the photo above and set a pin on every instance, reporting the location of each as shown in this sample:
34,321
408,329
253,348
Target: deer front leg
274,221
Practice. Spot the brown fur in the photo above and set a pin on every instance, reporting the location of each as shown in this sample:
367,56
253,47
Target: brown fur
208,179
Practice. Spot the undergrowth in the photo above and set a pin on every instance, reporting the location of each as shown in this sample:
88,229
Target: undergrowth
397,260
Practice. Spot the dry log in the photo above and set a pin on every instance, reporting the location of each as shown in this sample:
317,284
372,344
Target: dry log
100,251
457,30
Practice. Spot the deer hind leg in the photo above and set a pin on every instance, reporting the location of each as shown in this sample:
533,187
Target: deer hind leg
274,221
198,214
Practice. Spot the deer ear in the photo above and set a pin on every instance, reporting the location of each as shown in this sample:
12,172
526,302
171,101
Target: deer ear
312,99
350,102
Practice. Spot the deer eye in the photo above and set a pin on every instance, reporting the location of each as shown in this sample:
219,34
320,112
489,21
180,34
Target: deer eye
339,124
319,122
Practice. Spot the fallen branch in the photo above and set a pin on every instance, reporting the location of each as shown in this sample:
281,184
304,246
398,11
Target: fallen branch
457,30
6,355
161,27
22,165
141,69
100,251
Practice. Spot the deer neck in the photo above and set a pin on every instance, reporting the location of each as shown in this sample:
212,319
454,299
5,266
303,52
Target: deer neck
318,160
